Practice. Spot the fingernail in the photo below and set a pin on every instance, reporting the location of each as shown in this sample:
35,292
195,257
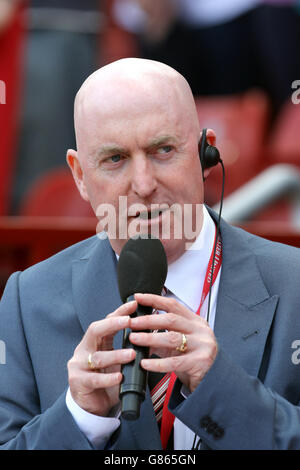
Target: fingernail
133,336
145,363
128,354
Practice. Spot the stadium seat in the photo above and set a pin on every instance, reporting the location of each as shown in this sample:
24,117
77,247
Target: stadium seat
55,194
284,142
241,125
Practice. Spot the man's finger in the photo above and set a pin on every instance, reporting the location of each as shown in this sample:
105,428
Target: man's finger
103,359
108,326
96,380
162,303
164,321
167,364
124,309
170,340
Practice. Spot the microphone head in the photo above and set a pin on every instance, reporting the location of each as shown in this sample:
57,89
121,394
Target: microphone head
142,267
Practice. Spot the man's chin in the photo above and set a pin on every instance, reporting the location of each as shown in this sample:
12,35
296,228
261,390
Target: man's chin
174,248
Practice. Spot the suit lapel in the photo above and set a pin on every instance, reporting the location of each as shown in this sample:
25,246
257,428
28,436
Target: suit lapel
95,285
95,294
245,309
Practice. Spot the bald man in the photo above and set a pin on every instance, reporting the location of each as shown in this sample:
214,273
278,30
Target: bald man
237,380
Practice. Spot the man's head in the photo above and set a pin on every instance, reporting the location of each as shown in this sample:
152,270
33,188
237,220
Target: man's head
137,136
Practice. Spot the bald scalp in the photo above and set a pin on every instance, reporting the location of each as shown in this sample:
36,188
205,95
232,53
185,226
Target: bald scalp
133,83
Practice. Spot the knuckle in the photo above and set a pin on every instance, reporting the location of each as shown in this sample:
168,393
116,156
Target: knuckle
116,356
100,359
76,350
171,321
113,321
177,362
95,379
214,352
207,330
173,304
111,314
72,364
151,338
110,322
173,339
209,354
92,329
73,381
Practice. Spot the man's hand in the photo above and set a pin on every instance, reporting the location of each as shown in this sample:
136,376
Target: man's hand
96,389
190,366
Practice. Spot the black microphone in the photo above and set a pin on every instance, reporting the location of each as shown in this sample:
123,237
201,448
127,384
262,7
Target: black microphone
142,268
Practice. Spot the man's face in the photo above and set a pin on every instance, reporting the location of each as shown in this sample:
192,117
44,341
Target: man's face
144,149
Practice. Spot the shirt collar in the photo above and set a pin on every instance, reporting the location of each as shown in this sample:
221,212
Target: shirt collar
186,275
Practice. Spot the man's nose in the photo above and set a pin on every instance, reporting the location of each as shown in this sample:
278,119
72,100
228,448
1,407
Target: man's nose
143,180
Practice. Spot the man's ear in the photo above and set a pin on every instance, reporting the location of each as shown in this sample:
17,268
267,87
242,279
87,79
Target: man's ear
211,140
74,164
206,172
210,137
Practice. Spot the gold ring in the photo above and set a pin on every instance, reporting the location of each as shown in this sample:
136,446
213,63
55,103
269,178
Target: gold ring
90,363
183,347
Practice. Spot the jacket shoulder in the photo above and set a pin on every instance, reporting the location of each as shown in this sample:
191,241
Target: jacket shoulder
60,264
277,262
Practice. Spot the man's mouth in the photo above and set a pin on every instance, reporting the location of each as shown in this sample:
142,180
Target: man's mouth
149,215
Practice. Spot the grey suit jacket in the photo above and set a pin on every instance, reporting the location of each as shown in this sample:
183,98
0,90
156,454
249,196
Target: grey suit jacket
252,391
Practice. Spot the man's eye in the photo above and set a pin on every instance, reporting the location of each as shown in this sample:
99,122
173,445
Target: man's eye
115,158
165,149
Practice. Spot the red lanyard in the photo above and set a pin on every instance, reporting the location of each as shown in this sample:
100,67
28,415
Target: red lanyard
167,417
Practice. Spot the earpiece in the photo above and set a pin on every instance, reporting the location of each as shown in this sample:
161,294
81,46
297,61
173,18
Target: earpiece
209,155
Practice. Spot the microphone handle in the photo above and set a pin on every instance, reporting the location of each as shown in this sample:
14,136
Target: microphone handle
133,385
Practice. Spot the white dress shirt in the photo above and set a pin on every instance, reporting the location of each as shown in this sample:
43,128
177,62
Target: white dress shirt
184,282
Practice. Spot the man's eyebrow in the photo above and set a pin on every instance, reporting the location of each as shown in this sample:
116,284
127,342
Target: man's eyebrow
161,140
108,149
104,151
111,149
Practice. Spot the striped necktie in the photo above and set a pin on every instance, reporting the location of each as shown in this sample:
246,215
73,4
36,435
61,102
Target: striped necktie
158,383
